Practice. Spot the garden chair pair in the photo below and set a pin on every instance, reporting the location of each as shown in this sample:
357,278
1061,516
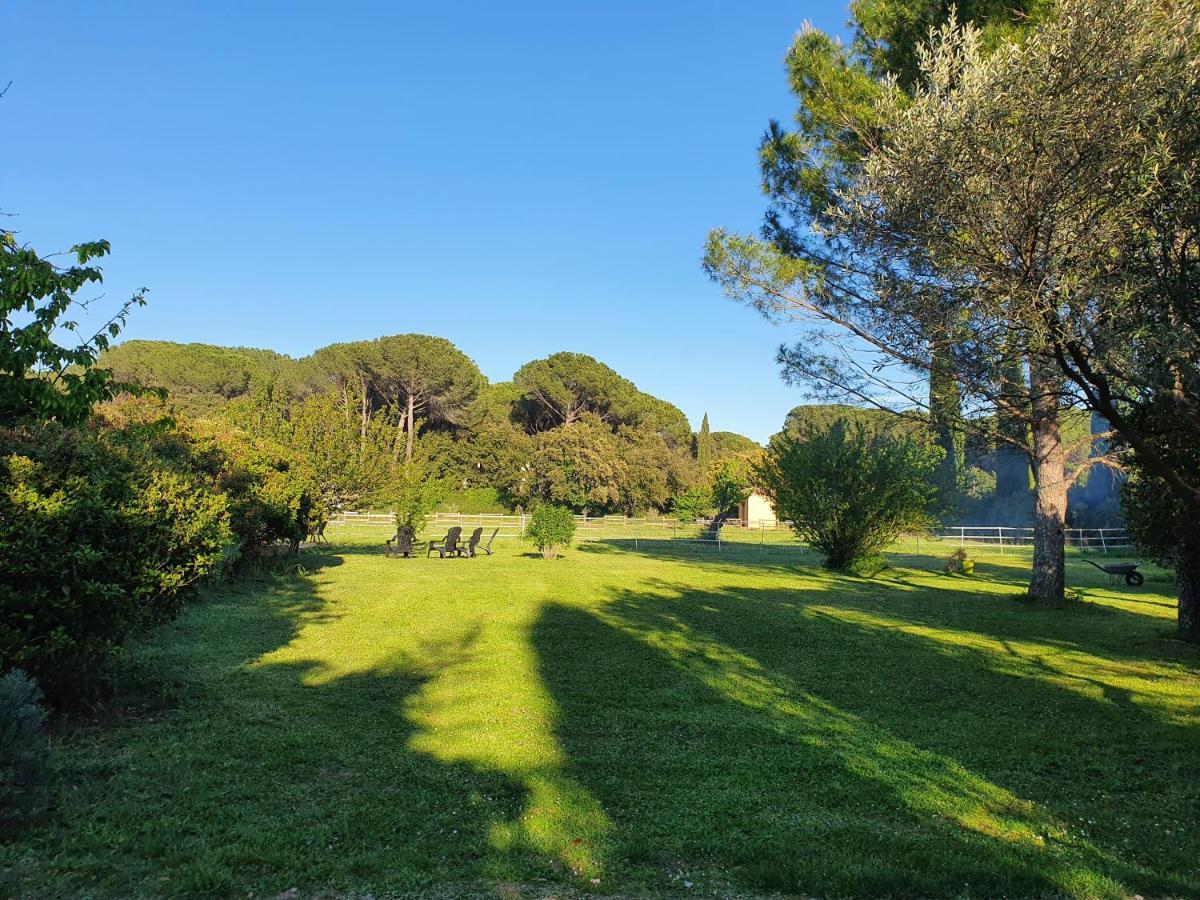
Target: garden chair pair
450,546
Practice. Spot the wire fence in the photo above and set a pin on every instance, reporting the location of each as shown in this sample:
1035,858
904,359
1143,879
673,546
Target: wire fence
764,535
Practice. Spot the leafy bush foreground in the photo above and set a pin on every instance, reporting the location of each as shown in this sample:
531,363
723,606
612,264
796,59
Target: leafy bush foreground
105,531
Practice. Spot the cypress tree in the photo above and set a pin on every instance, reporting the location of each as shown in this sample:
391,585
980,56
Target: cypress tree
704,447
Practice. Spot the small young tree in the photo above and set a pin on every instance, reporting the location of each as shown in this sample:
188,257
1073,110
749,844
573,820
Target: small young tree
414,493
694,503
550,528
731,484
848,492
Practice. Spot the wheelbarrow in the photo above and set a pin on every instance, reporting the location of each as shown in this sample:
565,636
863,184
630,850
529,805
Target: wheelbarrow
1117,571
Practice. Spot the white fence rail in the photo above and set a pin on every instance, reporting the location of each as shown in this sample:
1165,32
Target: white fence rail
1101,540
768,535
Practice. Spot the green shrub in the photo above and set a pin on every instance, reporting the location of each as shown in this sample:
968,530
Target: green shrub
474,501
23,746
867,566
550,527
850,491
692,504
100,537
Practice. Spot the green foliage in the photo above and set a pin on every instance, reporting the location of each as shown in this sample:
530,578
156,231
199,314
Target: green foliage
802,420
694,503
561,388
550,528
978,484
271,494
200,378
24,750
731,483
474,501
344,414
728,443
849,492
889,33
101,536
578,465
1163,526
413,493
40,380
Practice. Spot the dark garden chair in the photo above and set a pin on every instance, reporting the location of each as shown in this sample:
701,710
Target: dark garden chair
487,548
472,542
402,543
447,546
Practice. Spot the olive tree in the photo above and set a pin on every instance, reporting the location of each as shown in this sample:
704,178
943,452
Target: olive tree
913,351
850,492
1051,187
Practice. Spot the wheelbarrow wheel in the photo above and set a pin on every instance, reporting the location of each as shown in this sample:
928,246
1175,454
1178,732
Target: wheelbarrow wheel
1134,579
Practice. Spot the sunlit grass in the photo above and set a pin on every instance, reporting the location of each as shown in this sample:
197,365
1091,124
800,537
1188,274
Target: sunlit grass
659,719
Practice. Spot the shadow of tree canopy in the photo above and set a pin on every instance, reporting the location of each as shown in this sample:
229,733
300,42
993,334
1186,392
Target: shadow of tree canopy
268,763
443,728
789,755
966,600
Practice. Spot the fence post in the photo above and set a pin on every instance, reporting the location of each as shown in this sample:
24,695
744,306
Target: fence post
1000,529
962,536
1103,543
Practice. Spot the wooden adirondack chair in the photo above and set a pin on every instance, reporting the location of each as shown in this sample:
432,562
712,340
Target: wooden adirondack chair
487,548
447,546
402,543
472,542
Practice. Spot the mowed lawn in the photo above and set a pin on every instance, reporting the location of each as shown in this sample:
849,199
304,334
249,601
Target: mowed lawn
636,722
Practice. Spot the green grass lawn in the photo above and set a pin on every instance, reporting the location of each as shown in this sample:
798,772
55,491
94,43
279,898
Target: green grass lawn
662,720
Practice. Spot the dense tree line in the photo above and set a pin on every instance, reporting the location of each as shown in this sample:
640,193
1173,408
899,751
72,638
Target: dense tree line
367,415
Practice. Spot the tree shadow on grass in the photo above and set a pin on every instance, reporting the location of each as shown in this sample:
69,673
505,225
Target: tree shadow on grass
991,602
264,776
740,733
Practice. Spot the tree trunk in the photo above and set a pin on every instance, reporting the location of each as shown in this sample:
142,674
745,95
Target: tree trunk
401,431
1187,574
409,418
1047,581
364,416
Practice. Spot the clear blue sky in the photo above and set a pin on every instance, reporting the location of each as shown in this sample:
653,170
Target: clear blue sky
520,178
